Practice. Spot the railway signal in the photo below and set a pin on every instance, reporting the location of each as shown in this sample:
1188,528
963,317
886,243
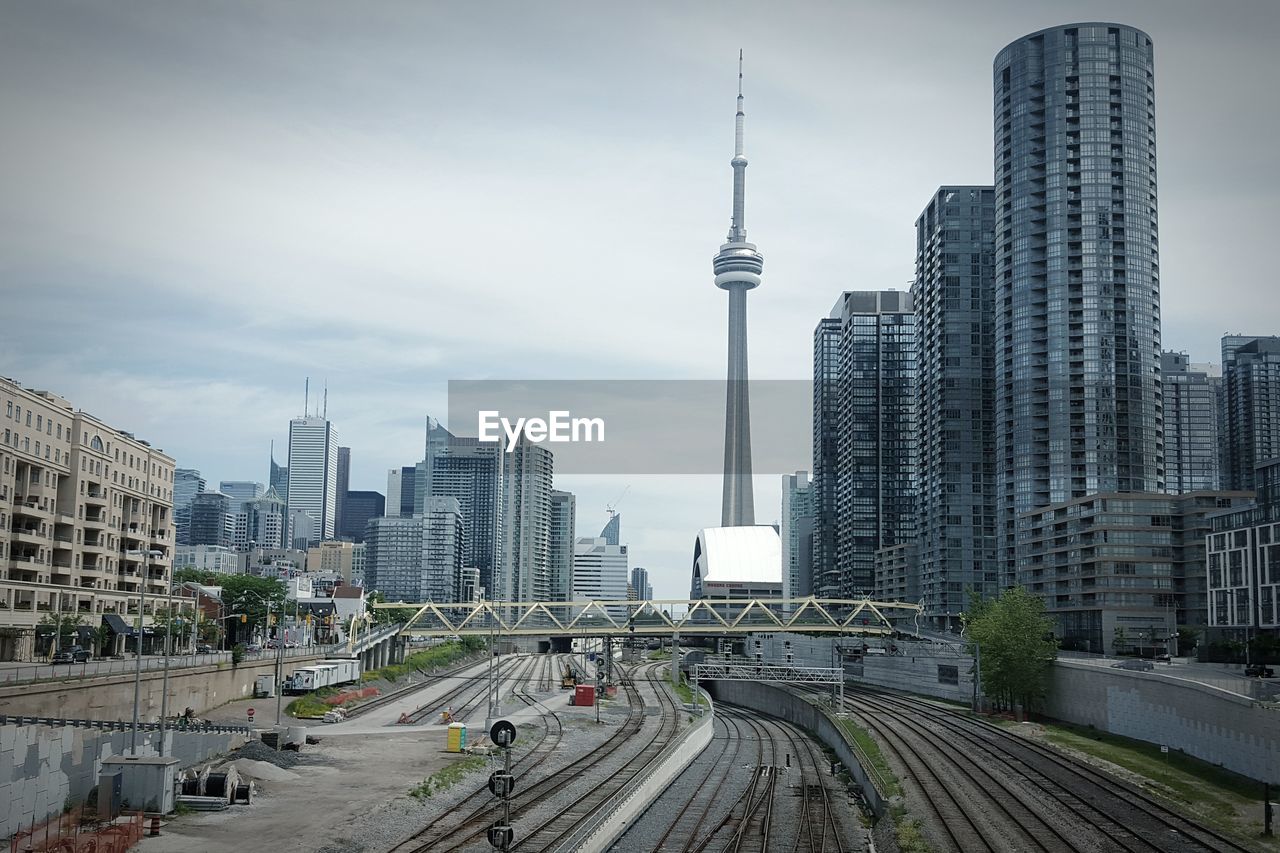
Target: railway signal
501,784
503,734
501,835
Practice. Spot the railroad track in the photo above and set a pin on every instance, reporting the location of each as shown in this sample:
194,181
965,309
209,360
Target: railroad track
1105,812
782,803
466,822
392,696
685,827
467,696
548,835
731,830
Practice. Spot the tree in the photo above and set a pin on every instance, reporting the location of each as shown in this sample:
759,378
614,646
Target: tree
387,615
245,594
64,625
189,575
1015,642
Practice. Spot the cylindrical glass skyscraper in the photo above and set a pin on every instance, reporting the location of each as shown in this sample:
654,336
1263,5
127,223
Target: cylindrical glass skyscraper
1077,295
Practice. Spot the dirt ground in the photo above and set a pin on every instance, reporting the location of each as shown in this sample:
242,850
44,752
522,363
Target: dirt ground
340,779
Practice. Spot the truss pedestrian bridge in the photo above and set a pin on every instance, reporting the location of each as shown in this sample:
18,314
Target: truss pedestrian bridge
656,618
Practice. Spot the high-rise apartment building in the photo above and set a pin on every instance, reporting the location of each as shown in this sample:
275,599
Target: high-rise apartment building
1077,271
1191,452
1251,406
472,471
864,438
1244,562
797,535
313,474
187,483
212,519
86,517
955,465
640,583
826,427
561,538
417,557
527,480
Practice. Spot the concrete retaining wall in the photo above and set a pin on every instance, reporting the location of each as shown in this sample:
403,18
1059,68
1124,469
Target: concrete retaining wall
42,768
111,697
679,756
919,669
1215,725
780,703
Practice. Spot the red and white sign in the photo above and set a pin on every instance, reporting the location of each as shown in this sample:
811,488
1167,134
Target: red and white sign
251,715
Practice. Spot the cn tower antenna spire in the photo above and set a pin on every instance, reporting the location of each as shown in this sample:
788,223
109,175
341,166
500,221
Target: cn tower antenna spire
737,267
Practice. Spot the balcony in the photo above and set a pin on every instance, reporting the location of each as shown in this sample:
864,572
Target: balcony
96,495
29,507
29,536
95,521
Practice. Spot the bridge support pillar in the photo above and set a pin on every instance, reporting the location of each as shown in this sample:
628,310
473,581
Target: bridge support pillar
675,658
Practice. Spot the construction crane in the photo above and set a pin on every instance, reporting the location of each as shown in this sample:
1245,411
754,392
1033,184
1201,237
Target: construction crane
611,507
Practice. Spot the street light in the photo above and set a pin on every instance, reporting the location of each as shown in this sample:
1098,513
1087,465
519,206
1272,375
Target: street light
137,671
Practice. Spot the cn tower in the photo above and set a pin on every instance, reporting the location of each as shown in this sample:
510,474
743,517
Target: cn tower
738,266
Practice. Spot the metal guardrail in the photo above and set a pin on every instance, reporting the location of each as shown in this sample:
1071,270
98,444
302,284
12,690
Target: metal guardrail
363,643
121,725
100,667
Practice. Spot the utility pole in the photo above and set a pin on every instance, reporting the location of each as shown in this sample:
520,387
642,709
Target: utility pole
164,690
137,671
977,673
279,656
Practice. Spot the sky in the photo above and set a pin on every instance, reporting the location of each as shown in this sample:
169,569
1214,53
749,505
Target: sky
204,204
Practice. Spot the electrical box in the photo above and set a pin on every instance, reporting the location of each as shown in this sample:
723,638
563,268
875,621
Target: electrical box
109,787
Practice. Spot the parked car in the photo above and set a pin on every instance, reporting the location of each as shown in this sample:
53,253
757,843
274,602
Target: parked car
205,649
1257,670
1136,664
75,654
253,648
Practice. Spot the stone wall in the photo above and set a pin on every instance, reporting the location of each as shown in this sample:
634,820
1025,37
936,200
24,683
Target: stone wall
111,697
44,768
1215,725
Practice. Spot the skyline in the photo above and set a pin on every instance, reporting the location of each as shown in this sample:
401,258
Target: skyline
256,120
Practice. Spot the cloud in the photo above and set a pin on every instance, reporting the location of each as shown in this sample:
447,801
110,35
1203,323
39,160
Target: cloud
206,203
